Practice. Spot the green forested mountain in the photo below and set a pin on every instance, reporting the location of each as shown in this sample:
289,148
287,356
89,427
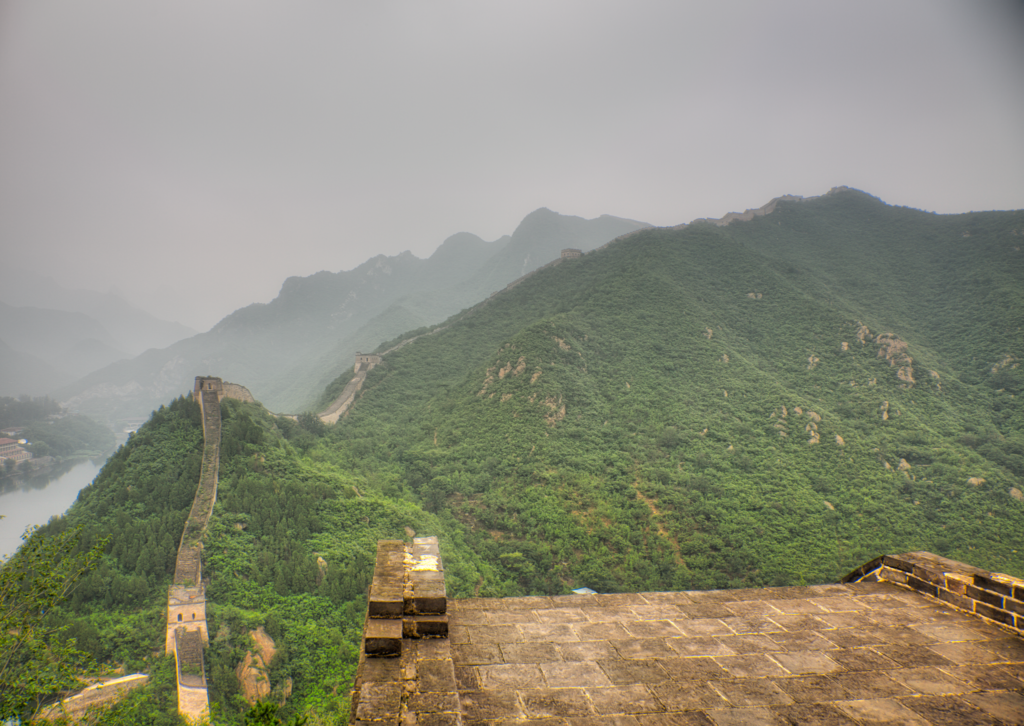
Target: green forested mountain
287,350
765,402
775,401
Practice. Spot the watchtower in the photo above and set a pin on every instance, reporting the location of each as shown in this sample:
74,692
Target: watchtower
366,361
208,383
571,253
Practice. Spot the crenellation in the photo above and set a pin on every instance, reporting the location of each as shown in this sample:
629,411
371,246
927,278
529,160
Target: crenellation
987,595
405,641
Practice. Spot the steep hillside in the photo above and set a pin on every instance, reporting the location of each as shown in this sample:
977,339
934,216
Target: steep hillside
288,350
770,401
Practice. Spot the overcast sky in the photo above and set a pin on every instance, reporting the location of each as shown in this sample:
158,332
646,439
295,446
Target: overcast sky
201,151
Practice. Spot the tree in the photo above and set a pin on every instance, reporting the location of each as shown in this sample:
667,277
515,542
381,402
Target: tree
35,661
265,714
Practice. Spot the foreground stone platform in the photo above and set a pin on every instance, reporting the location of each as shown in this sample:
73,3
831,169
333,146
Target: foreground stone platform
851,653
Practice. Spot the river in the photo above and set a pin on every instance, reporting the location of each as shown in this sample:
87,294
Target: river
34,500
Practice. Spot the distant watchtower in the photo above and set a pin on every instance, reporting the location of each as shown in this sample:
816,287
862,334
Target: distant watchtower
366,361
571,254
208,383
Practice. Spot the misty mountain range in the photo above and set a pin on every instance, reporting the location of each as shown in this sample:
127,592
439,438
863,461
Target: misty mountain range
288,350
50,335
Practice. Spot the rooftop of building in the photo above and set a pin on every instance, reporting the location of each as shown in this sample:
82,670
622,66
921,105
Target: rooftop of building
910,639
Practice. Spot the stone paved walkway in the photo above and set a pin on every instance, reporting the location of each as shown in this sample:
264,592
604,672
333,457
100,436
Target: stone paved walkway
864,653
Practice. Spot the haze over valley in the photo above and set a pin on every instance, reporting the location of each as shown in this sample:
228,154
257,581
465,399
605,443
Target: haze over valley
608,298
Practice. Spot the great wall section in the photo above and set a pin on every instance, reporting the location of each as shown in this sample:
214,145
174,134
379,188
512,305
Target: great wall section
367,362
187,632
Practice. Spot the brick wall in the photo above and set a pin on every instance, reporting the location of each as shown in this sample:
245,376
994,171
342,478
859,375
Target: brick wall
993,596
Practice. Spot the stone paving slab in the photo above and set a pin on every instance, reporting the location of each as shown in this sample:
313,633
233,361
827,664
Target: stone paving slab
853,653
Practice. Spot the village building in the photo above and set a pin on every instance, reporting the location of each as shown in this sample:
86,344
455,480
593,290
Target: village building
11,449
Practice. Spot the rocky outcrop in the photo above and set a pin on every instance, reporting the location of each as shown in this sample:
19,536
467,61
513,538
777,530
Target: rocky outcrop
253,672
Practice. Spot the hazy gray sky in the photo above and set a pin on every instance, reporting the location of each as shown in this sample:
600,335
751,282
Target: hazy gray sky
204,150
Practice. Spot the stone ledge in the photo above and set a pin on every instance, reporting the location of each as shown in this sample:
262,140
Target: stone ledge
406,675
407,589
991,596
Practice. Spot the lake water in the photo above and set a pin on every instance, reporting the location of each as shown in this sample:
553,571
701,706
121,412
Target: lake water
33,500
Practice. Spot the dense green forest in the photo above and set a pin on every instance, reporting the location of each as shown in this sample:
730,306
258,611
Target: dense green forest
25,410
770,402
71,435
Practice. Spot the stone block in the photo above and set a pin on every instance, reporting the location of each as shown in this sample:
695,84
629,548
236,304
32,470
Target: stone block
382,637
925,586
964,603
929,574
478,654
435,676
425,626
510,676
488,704
957,583
624,700
379,670
383,605
990,583
989,598
913,656
529,653
997,614
747,692
808,662
425,595
754,665
700,668
556,702
930,681
387,590
898,562
881,710
434,702
870,685
574,675
438,719
892,574
379,701
689,695
626,672
813,713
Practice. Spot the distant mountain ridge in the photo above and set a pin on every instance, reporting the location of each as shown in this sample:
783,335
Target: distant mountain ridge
54,335
289,349
130,328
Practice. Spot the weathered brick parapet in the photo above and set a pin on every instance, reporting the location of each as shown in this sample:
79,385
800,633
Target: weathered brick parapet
407,596
990,595
406,675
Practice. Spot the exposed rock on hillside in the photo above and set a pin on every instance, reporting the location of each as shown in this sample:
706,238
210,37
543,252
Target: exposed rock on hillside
253,672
